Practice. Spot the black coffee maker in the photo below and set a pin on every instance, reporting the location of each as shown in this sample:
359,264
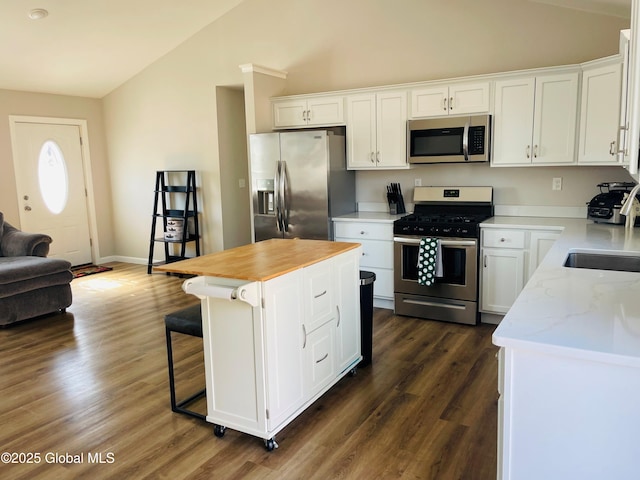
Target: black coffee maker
605,207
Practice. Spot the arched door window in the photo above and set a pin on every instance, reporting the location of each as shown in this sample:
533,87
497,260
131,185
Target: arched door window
52,177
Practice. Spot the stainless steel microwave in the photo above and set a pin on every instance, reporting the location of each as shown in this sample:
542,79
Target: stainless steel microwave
449,139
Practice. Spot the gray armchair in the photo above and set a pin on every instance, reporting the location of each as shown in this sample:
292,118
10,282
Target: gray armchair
31,284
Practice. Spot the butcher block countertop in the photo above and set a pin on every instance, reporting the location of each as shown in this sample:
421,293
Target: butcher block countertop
261,261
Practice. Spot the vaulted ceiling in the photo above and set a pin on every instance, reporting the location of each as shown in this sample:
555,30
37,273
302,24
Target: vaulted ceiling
90,47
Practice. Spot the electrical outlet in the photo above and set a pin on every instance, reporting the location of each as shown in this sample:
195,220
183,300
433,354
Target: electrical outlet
557,183
417,182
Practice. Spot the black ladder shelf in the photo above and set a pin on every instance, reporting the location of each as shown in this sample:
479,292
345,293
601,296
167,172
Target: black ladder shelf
174,203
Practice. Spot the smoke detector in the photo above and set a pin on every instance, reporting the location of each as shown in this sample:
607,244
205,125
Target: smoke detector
38,13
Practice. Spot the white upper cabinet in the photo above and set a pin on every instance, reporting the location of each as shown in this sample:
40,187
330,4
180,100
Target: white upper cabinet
600,115
377,130
314,111
535,120
457,99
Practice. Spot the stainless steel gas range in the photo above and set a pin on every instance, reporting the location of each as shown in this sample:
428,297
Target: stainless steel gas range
451,215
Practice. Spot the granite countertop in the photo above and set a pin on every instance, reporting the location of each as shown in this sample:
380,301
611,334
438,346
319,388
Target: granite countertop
585,313
260,261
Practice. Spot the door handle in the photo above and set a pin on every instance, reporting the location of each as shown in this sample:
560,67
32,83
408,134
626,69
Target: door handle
323,358
304,332
277,197
284,191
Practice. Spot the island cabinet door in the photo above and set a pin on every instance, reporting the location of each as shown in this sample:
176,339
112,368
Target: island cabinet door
347,275
284,312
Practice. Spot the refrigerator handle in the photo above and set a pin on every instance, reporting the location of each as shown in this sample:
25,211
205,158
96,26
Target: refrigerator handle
284,192
277,200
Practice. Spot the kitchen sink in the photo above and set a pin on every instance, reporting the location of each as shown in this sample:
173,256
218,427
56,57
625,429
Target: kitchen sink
620,262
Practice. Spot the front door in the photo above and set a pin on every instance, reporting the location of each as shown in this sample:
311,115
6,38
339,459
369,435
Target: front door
51,188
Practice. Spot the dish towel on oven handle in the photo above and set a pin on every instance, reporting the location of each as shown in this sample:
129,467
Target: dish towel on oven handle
429,261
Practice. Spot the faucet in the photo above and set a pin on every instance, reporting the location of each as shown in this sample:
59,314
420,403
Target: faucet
628,205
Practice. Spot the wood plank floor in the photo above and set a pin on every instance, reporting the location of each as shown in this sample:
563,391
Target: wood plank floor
91,385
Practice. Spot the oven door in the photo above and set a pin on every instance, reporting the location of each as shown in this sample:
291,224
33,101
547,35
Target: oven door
459,262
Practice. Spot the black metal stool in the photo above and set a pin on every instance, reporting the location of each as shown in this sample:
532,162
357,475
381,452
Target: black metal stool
187,321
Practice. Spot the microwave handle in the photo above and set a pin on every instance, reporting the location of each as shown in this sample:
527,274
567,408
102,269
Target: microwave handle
465,141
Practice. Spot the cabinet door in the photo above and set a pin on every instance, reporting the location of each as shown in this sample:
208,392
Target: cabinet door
469,98
347,277
429,102
376,253
289,113
391,132
599,115
513,121
325,111
284,337
554,125
502,279
361,131
540,242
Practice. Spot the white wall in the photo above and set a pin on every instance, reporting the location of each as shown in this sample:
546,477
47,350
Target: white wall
529,186
165,117
58,106
234,169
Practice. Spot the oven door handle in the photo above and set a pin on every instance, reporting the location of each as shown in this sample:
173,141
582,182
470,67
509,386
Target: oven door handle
444,243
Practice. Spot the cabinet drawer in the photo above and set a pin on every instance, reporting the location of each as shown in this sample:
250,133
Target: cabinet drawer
506,238
319,293
363,230
319,358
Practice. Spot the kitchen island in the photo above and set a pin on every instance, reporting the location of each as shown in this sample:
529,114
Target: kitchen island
281,325
569,363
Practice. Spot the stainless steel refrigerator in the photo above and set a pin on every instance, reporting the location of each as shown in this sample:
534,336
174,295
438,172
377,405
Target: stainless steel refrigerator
299,182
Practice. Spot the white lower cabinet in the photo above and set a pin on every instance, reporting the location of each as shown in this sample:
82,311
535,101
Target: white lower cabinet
270,362
509,256
540,241
376,239
283,315
567,413
347,334
502,278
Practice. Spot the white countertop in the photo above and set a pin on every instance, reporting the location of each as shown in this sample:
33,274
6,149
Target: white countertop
382,217
591,314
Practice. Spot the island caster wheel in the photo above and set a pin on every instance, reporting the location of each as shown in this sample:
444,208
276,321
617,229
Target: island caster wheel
353,372
270,444
218,430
